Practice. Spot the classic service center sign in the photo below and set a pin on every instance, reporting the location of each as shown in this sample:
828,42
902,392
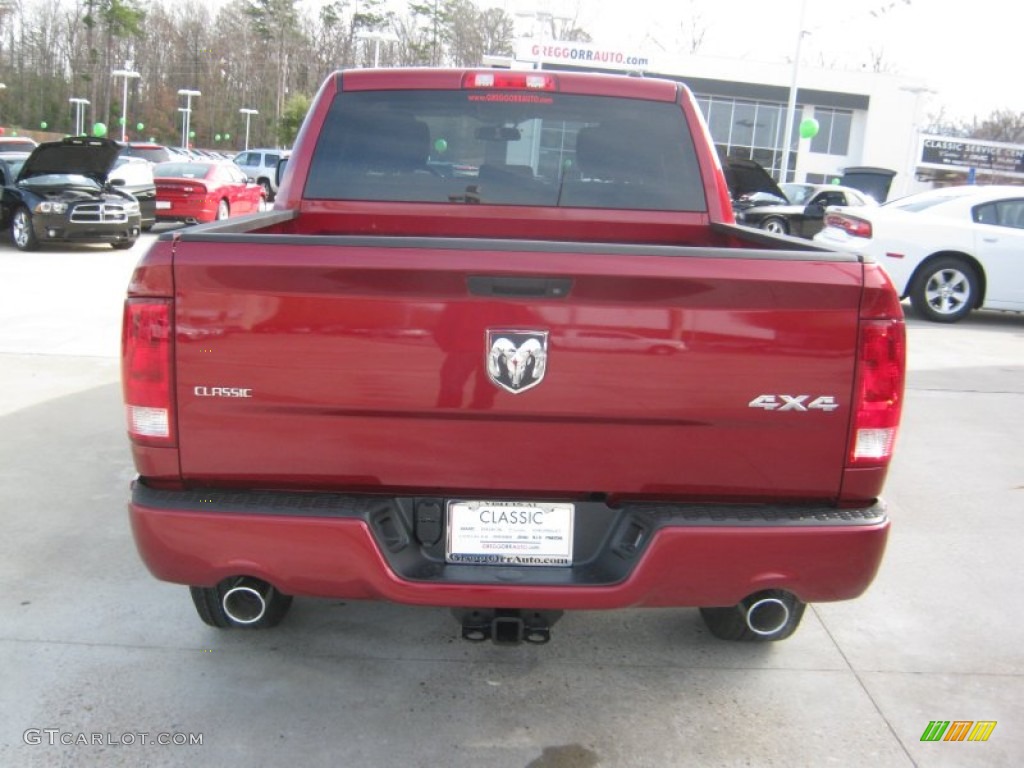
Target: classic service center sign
944,152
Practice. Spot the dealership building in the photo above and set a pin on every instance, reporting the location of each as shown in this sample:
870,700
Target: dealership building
863,118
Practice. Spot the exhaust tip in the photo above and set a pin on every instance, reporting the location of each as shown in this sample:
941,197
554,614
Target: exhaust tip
246,603
767,615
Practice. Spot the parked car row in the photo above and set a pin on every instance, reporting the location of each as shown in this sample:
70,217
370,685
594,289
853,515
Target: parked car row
948,250
159,153
85,189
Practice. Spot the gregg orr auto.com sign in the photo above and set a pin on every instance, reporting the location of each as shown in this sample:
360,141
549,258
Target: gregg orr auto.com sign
580,54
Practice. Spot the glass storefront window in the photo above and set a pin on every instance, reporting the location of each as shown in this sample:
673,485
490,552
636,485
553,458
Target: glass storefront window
750,130
833,136
744,117
720,119
768,125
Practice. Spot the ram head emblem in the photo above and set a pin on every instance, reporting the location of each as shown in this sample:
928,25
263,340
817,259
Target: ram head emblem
516,360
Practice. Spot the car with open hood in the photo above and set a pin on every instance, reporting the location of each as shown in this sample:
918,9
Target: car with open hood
804,212
750,184
62,194
791,208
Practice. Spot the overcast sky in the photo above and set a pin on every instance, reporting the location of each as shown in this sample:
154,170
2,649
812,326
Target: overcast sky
968,51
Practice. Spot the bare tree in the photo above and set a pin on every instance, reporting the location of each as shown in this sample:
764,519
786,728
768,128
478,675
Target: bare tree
1001,125
877,62
256,54
471,33
568,29
498,31
693,29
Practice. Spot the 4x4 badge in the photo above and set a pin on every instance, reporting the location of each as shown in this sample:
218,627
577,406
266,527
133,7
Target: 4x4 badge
516,360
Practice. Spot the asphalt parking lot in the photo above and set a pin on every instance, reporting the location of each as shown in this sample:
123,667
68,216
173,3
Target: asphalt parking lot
99,661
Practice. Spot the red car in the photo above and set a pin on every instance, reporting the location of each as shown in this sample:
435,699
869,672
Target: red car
196,191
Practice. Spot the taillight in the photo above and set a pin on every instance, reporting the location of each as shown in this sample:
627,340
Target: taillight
146,370
879,391
517,81
851,225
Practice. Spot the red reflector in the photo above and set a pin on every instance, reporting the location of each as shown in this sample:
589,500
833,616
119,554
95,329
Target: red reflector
146,370
519,81
849,224
879,392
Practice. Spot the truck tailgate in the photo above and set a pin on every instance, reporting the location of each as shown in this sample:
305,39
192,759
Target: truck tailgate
368,363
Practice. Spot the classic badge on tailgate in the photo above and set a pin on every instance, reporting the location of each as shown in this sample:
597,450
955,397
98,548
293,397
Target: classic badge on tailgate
516,360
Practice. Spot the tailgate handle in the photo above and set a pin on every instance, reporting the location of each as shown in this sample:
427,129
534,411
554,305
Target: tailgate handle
520,287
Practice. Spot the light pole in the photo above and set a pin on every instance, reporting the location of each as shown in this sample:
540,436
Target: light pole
545,21
80,105
126,73
919,91
791,107
378,38
188,94
248,115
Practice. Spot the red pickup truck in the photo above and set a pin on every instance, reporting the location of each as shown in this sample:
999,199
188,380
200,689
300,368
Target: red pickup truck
501,347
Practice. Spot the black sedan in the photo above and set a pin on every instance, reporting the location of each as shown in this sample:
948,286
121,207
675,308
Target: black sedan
62,194
803,211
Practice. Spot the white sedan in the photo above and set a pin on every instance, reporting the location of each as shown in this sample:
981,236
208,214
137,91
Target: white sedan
949,250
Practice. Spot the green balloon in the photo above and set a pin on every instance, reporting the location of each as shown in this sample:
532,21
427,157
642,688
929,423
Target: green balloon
808,128
120,121
227,137
441,146
44,125
191,134
216,137
139,126
99,130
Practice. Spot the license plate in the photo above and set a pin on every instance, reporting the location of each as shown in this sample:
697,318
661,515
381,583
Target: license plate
510,533
163,204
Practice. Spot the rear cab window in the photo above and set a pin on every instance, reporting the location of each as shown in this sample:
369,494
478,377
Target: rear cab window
552,149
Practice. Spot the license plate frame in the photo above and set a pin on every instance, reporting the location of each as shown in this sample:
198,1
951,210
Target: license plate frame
509,533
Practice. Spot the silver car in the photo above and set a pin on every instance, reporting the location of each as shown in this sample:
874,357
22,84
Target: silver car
261,166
